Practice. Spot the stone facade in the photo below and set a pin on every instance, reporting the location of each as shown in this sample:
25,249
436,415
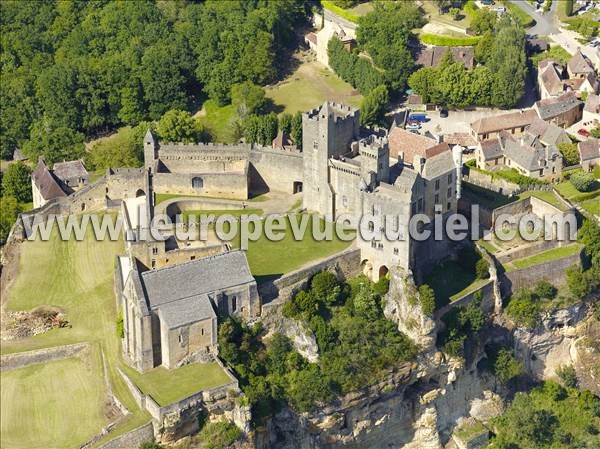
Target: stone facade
349,173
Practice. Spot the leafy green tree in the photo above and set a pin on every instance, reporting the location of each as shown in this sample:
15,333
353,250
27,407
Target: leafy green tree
257,59
365,303
151,445
584,182
178,126
16,182
372,108
297,129
578,283
567,375
484,21
248,98
523,308
544,289
268,128
285,123
9,211
484,48
427,299
308,387
55,90
505,366
424,82
325,286
54,143
569,153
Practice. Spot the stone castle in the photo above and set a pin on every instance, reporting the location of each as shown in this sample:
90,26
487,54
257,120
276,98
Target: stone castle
170,293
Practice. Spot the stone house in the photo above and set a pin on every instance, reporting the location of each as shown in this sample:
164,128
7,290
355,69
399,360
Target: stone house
552,81
170,314
563,110
579,66
591,111
526,154
512,122
589,154
64,179
349,171
547,133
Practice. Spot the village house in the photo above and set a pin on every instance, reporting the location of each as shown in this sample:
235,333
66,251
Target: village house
563,110
525,154
512,122
589,154
64,179
579,66
552,81
591,111
547,133
431,56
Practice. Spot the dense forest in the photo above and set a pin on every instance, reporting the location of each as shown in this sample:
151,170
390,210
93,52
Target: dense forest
74,70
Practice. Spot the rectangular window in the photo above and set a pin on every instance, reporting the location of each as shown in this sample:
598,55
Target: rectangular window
437,184
234,303
449,192
396,251
202,331
449,205
315,145
450,178
437,198
155,251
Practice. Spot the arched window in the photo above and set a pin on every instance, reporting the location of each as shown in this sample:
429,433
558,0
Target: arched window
197,182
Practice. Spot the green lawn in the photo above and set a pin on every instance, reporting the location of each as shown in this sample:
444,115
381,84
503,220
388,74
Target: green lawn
309,86
545,256
52,405
160,197
218,121
168,386
592,206
547,196
234,212
78,278
568,190
477,283
488,245
434,15
269,259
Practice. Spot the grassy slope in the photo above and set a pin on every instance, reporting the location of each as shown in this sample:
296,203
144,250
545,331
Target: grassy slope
168,386
77,277
217,120
309,86
546,256
547,196
53,405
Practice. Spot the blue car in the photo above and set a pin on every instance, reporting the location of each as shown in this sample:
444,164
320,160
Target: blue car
418,117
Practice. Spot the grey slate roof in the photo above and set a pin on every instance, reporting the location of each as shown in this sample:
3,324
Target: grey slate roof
438,165
547,133
491,149
580,64
195,278
592,104
552,107
524,155
589,149
69,170
46,183
186,311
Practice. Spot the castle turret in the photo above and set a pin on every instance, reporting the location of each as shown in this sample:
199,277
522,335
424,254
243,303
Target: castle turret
150,150
375,158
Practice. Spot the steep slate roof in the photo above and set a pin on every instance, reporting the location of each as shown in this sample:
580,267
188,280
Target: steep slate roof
69,170
510,120
592,104
186,311
282,141
462,139
580,64
438,164
431,56
46,183
589,149
547,133
195,278
550,77
552,107
491,149
410,144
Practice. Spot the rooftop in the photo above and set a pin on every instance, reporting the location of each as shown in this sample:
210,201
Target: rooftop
432,56
69,170
592,104
501,122
580,64
407,144
547,133
589,149
552,107
46,183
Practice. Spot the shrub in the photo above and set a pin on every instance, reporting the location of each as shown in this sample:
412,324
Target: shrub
578,282
16,182
583,182
151,445
567,375
569,152
505,366
544,289
482,269
523,309
217,435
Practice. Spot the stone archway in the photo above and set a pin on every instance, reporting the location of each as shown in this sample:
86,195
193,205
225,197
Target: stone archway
139,192
383,272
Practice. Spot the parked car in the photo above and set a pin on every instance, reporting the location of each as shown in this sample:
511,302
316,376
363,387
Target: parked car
584,132
418,117
413,126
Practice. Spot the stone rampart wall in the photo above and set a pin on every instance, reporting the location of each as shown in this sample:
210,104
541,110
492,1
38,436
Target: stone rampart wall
276,169
487,300
224,185
22,359
488,182
132,439
526,251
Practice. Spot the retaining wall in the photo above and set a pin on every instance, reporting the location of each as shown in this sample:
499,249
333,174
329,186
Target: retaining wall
487,300
22,359
132,439
488,182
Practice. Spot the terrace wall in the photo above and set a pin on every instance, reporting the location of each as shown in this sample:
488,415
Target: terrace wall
487,300
489,182
132,439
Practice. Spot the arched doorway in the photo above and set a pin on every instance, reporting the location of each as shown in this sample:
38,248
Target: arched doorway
197,182
139,192
383,271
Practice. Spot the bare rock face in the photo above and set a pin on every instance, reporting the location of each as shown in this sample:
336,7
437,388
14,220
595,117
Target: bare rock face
543,350
402,308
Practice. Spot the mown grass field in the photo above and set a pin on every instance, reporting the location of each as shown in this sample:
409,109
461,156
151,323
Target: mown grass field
78,278
309,86
52,405
218,121
168,386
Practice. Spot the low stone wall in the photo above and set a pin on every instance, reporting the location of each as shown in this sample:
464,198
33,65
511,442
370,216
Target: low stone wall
345,265
553,272
178,205
132,439
526,251
22,359
488,182
487,300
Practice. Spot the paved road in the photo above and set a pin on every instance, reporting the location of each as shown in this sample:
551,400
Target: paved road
545,23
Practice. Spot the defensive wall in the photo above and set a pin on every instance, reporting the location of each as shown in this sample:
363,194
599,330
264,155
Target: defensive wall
22,359
485,292
489,182
132,439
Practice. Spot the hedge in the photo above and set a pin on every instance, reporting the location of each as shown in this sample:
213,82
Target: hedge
448,41
470,8
327,4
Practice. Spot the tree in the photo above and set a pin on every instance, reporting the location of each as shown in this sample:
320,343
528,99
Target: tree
54,143
365,304
248,98
583,182
285,123
484,21
578,282
454,13
482,269
372,109
423,81
523,309
9,211
505,366
297,129
567,375
16,182
268,128
484,48
544,289
569,153
427,299
178,126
